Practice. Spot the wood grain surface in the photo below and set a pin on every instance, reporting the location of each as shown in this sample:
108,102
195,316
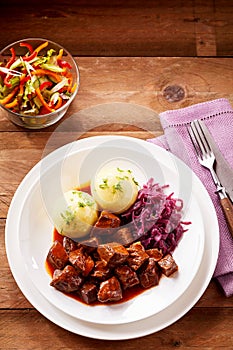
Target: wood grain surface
157,55
124,28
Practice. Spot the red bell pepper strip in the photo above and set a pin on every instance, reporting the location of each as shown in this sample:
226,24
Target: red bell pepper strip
35,52
30,57
1,73
45,84
24,79
28,46
12,59
6,80
64,64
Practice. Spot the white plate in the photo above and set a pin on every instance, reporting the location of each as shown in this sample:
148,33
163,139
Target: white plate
78,164
131,330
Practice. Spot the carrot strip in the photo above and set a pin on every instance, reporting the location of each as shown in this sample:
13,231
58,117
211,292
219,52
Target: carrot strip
40,47
72,90
46,72
9,96
60,54
69,76
45,104
12,104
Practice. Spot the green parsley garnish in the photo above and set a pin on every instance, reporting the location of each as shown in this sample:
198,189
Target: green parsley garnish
68,216
117,187
104,185
89,203
122,177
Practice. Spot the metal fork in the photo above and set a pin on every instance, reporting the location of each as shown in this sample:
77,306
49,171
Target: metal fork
207,159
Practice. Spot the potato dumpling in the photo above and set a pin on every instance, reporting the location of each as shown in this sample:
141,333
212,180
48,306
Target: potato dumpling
114,189
77,213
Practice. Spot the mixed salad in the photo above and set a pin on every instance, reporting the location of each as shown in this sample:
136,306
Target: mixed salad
36,84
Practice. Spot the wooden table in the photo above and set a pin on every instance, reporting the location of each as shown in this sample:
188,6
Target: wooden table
160,55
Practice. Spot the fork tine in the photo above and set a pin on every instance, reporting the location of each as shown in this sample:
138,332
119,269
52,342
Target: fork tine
203,138
194,141
198,136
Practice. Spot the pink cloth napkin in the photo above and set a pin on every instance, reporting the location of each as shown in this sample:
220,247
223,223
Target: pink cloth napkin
218,118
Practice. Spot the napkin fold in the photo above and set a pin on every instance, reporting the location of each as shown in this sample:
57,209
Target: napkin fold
218,118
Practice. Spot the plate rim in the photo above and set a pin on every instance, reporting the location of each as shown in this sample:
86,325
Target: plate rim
11,263
83,312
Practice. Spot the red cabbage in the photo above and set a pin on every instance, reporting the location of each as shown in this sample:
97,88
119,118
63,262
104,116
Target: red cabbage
155,218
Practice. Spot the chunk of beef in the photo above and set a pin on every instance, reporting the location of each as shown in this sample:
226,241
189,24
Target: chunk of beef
105,227
137,255
88,292
112,253
155,253
110,290
81,261
90,245
150,275
57,256
168,265
69,245
107,220
123,236
101,270
126,276
67,280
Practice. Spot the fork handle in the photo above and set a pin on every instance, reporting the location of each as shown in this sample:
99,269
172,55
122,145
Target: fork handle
228,212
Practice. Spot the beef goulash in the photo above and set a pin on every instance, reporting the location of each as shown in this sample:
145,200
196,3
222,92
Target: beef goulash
114,255
102,273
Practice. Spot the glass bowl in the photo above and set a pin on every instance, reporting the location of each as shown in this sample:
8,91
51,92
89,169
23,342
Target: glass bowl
39,117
